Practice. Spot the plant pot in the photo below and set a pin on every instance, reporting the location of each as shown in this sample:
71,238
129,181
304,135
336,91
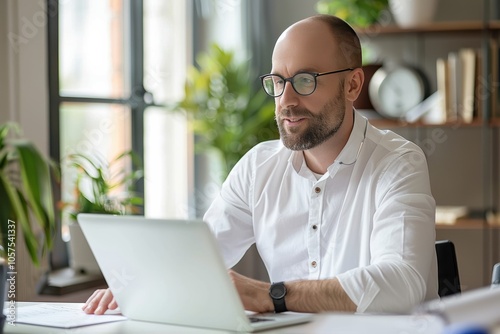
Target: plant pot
82,259
412,13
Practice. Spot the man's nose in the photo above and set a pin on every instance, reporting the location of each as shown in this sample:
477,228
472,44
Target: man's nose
290,97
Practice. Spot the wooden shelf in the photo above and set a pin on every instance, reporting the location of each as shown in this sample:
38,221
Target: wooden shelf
471,223
464,223
494,25
435,27
388,123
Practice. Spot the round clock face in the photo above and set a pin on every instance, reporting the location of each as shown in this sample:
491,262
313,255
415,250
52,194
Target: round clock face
394,93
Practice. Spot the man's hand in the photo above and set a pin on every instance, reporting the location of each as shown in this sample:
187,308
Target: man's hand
253,294
100,301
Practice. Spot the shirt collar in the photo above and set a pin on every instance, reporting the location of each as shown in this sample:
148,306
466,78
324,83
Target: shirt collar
348,154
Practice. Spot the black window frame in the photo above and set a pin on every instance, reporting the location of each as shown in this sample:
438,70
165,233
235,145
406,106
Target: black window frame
136,100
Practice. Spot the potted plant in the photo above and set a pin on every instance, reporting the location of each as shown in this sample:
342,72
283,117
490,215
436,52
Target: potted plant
227,114
25,189
26,195
100,187
359,13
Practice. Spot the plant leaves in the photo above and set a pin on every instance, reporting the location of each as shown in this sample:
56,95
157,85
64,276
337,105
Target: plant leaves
37,187
224,112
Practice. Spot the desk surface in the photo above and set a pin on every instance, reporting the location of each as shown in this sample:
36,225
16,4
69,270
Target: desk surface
326,323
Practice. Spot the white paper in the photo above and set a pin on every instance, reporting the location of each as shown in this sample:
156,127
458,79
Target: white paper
479,306
61,315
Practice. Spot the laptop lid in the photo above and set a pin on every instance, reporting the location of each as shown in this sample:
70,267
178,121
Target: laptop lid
169,271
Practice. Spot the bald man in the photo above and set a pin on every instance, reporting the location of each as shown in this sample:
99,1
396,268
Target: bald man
341,213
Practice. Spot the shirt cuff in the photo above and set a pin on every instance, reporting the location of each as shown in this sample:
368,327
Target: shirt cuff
360,287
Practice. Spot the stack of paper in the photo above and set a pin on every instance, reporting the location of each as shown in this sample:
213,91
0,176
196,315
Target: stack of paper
62,315
479,307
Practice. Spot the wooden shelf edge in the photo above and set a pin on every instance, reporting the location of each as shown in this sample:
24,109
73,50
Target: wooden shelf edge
434,27
388,123
464,223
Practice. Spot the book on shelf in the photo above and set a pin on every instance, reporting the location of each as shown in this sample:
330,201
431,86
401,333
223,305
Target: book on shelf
454,86
442,88
468,71
479,87
457,80
493,78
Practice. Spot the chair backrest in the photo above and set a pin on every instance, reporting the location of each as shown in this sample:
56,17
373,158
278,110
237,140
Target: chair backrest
495,276
448,277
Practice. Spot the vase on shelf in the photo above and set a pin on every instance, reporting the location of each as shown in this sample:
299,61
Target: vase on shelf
412,13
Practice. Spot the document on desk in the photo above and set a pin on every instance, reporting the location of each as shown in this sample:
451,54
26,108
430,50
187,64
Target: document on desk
478,306
61,315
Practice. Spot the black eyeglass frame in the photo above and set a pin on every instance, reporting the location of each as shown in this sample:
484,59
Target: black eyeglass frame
290,80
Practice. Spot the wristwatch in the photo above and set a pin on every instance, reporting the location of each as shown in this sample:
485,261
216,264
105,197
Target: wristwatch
277,291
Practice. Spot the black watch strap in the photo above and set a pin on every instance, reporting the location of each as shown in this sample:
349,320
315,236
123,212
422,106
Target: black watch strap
277,291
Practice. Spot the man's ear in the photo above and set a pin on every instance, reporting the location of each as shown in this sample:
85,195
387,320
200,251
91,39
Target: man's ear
354,83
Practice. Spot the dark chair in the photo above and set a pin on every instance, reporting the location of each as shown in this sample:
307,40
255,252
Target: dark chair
448,278
495,275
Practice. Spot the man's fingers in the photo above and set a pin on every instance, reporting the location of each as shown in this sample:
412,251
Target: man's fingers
89,300
99,302
113,305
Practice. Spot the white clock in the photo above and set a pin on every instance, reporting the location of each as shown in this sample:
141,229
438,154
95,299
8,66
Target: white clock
394,92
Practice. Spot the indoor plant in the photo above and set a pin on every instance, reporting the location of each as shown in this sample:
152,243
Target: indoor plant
102,188
359,13
99,187
26,185
227,113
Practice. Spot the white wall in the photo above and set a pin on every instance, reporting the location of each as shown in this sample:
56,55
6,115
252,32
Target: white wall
24,95
4,84
23,68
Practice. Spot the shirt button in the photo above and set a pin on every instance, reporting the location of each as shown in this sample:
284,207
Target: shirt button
313,264
315,227
317,190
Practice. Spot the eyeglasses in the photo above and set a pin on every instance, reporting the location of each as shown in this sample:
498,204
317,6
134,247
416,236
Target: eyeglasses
304,83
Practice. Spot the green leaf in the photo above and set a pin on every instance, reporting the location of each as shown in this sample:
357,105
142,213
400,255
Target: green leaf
37,186
104,179
360,13
224,111
14,208
26,190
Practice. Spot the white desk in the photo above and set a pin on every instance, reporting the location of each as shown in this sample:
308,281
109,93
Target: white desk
327,323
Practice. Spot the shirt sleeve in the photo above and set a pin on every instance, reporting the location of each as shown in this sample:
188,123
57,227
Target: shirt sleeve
402,241
229,216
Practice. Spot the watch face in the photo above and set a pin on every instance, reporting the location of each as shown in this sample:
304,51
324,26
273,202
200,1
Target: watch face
278,291
396,92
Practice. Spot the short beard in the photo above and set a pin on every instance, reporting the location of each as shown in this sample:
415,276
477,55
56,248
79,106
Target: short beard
320,128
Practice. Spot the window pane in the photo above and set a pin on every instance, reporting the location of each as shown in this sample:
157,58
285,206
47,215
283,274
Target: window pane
166,164
92,49
97,130
165,44
167,157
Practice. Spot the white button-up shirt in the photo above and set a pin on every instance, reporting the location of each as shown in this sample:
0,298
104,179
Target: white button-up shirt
370,224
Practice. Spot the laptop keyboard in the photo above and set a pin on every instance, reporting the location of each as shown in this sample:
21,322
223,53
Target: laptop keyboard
257,319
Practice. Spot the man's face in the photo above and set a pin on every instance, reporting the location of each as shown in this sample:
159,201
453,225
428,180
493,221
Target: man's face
305,122
302,129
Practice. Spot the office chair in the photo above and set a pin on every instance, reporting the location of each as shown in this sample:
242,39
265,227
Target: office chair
495,276
448,278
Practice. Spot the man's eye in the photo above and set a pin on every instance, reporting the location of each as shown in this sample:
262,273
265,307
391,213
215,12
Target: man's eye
304,80
278,82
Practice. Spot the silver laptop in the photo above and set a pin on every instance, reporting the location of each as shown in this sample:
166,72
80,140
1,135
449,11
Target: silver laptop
171,271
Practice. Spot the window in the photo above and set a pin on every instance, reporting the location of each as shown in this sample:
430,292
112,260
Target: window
113,70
